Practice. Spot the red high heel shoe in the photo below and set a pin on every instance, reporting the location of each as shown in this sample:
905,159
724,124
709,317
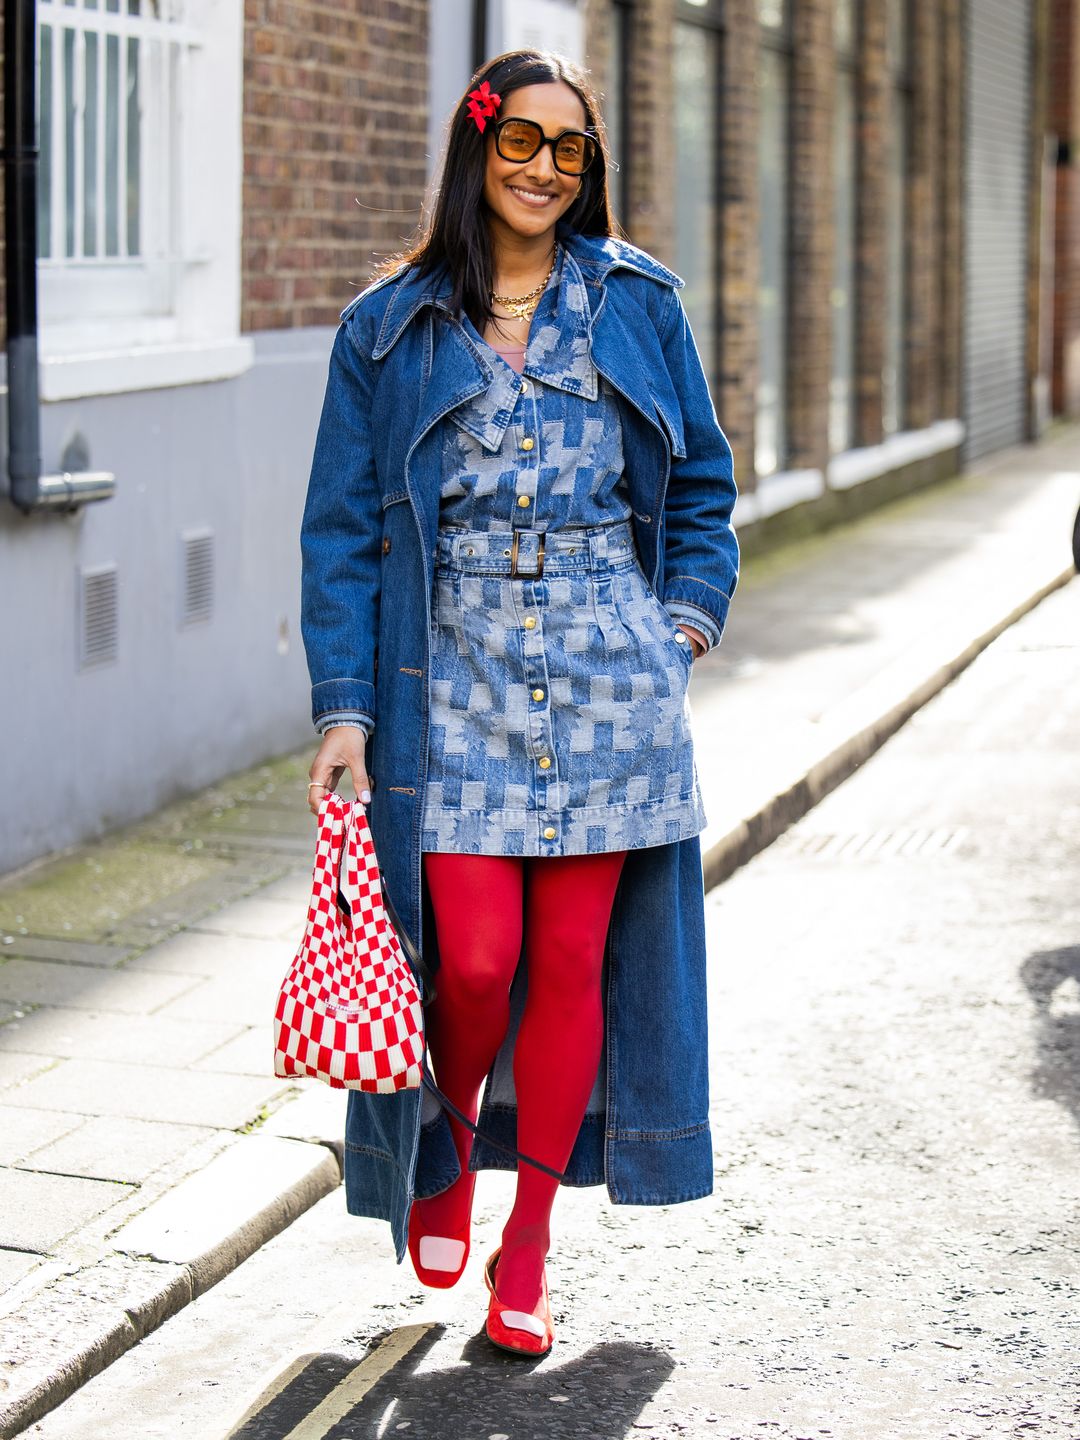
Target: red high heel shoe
514,1330
440,1260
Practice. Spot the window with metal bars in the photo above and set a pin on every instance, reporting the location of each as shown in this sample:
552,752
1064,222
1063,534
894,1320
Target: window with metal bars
139,125
110,80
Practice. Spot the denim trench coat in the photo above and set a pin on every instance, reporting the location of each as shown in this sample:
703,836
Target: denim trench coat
401,362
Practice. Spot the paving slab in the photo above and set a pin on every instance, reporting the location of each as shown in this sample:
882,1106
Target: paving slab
293,888
103,1035
15,1069
114,1148
25,946
15,1265
247,999
317,1114
37,1210
249,1053
80,895
255,918
145,1092
180,909
85,987
194,952
23,1131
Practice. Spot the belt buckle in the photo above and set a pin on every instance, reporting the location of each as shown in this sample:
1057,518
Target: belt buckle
515,573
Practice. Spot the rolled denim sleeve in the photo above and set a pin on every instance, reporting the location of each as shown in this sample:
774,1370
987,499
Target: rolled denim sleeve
345,717
679,610
701,551
340,540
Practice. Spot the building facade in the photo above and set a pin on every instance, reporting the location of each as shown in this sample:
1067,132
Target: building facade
872,202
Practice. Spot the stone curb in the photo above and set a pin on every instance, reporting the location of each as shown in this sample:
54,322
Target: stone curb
174,1252
852,747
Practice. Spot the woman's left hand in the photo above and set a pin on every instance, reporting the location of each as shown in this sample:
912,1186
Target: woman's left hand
697,640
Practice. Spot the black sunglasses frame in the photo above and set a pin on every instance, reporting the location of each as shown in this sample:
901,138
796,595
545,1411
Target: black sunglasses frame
551,140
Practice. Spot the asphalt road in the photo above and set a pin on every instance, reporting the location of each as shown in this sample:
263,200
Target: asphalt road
890,1252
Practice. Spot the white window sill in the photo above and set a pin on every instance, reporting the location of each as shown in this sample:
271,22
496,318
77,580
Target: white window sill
785,488
143,367
854,466
779,491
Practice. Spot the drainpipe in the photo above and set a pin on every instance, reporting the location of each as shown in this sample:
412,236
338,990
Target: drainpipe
30,490
479,34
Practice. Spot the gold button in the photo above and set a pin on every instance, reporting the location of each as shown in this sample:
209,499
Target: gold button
545,762
524,501
527,443
530,622
549,833
538,694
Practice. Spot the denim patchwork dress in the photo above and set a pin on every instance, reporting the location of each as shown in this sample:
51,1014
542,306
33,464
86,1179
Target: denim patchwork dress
559,716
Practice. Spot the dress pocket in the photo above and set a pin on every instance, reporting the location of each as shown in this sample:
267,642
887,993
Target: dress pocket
667,629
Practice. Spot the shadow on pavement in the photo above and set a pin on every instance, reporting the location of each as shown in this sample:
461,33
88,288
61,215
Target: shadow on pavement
396,1389
1052,979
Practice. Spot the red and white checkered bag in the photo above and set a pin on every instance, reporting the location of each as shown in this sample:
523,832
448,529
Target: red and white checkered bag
349,1011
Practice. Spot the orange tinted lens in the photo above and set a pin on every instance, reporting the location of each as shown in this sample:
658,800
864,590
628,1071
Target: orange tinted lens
517,141
574,151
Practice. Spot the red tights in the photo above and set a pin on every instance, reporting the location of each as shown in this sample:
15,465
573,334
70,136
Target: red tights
484,905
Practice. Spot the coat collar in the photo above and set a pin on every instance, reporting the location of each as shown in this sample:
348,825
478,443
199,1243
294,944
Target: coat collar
594,257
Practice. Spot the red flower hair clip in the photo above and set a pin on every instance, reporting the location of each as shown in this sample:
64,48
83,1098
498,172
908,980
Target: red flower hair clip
483,102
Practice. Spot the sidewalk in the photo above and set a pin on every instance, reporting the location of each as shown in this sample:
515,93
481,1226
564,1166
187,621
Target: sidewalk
145,1148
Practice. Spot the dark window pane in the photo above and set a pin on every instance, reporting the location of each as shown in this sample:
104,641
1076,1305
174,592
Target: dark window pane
697,88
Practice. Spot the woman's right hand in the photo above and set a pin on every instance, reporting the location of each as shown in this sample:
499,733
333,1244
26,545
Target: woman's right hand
342,748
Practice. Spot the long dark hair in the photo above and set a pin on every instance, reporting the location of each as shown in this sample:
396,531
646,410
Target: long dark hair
457,234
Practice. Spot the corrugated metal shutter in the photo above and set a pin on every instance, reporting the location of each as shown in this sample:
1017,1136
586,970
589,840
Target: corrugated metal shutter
997,118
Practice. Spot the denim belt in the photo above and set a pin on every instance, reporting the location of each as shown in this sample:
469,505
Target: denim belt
528,554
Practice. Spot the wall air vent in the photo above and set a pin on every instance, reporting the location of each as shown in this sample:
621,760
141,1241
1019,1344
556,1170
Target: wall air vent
98,615
198,576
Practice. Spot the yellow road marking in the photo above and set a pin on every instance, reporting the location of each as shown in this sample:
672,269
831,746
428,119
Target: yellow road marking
270,1392
357,1383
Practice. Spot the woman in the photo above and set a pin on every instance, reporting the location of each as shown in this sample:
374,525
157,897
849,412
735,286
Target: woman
515,543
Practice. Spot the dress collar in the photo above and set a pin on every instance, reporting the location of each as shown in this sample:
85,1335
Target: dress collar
557,354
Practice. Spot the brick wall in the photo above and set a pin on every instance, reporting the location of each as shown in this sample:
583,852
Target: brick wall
335,113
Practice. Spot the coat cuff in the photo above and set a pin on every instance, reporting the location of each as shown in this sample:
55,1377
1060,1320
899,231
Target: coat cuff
692,615
345,717
335,697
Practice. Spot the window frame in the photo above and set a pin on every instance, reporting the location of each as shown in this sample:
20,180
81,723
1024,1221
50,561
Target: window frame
171,314
709,15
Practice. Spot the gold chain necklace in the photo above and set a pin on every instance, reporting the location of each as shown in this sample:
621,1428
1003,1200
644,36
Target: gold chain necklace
521,307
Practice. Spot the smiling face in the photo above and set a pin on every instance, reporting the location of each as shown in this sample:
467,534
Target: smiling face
526,199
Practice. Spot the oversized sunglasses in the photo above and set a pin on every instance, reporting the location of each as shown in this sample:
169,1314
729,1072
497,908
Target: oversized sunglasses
572,151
